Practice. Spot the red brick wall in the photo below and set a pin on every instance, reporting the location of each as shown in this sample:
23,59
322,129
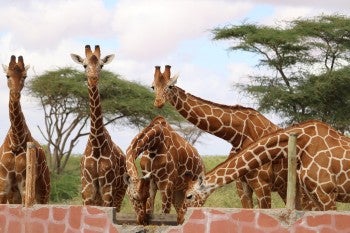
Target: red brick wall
70,219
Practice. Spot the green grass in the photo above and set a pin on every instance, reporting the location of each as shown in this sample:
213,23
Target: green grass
65,189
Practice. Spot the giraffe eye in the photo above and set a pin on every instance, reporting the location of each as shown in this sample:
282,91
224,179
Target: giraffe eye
152,87
7,76
189,197
85,66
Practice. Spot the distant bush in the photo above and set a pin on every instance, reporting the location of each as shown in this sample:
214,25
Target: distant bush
65,188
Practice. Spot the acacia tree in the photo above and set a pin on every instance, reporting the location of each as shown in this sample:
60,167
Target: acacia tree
295,54
64,97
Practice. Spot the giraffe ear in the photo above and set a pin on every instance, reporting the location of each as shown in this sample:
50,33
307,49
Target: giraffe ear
78,59
126,178
147,176
5,67
201,180
107,59
172,81
26,68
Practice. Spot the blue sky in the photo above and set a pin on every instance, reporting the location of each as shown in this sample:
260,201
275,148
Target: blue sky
142,34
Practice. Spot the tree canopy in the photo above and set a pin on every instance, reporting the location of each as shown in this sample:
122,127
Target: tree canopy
304,59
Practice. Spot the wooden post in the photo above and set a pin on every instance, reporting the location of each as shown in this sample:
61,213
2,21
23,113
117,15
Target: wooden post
292,165
30,174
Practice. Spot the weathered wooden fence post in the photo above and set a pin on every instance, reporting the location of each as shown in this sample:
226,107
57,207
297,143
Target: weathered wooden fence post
30,174
292,165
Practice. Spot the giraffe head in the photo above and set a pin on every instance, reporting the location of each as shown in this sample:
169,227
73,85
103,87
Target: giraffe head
138,188
161,84
16,73
138,192
197,193
92,63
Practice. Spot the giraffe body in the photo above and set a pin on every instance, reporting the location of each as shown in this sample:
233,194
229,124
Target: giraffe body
103,162
323,157
240,126
14,148
169,163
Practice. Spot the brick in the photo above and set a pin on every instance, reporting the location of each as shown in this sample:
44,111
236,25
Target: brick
266,221
197,214
56,227
280,230
301,229
35,227
216,212
16,211
250,229
318,220
112,229
3,221
93,210
174,231
342,222
15,226
193,228
243,216
96,222
3,207
223,226
59,214
42,213
92,231
328,230
75,214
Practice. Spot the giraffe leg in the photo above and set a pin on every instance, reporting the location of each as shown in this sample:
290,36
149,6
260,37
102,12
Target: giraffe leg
14,196
119,197
89,193
178,202
245,193
151,198
322,194
42,184
42,188
107,194
167,199
263,194
3,190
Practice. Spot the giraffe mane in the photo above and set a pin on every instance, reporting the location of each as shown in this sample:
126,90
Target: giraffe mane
233,107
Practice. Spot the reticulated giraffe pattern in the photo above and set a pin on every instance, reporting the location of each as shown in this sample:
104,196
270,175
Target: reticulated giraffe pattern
323,158
169,163
14,148
240,126
103,162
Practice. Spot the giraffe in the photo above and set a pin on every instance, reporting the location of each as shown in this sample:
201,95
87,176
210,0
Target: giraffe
323,158
14,148
171,162
103,162
238,125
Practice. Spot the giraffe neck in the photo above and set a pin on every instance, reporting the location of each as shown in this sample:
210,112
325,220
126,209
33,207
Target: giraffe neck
268,149
238,125
149,139
96,118
19,131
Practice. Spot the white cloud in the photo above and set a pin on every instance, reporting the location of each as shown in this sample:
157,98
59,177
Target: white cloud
339,5
43,24
152,29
